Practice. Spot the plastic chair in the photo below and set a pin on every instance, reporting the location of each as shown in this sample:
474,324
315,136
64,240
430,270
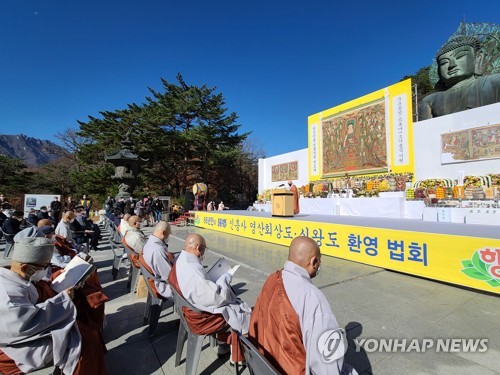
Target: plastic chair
154,302
118,255
117,247
256,362
135,269
195,341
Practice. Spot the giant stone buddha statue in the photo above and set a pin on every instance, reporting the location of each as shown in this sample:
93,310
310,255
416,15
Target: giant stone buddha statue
461,83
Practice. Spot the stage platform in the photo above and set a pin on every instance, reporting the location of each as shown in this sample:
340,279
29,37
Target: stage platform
396,207
462,254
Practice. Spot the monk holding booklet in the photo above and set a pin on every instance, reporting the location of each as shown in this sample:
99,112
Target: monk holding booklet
222,309
40,327
220,268
76,272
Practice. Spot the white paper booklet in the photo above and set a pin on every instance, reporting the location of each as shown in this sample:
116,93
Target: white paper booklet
219,268
76,271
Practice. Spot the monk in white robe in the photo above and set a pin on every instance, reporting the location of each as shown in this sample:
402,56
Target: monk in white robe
221,306
135,238
123,227
291,315
157,259
63,228
213,297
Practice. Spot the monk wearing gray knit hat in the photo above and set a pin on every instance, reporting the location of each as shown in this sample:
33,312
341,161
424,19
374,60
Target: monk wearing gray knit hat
33,250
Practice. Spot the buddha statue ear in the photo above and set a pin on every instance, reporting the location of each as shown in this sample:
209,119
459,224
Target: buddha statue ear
478,68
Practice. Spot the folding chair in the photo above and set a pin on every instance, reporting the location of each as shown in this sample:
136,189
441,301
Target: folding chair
195,342
116,244
118,255
135,269
154,302
256,362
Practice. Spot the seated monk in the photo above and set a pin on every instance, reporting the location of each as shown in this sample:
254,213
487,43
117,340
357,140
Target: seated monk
123,226
39,329
222,308
156,258
134,238
63,228
291,315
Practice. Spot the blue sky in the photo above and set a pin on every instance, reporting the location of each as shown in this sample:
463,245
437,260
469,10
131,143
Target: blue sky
275,62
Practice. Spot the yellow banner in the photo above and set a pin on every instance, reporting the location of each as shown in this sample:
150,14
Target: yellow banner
469,261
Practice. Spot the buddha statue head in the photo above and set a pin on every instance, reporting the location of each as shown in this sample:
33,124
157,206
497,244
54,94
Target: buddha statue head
457,60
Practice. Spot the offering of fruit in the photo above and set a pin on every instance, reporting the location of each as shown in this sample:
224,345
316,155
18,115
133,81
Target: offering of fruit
419,193
410,193
440,192
383,186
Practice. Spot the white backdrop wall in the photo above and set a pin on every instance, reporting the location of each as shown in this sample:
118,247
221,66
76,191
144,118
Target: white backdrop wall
427,143
36,201
265,165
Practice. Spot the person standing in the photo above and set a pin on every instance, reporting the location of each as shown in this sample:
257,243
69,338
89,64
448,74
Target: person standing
69,204
55,209
130,206
86,204
109,203
295,192
157,208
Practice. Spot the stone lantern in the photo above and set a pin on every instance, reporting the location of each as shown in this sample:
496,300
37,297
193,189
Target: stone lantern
126,168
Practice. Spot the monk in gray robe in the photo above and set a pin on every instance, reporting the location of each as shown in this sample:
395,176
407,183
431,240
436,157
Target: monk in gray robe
36,330
157,259
460,80
292,323
222,309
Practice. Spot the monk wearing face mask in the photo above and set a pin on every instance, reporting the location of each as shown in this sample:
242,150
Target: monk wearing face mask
63,228
36,329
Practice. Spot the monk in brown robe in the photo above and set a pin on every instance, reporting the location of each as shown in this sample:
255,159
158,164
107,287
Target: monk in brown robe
291,317
295,192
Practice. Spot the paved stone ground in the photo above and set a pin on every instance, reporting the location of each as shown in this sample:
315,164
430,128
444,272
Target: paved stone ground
370,302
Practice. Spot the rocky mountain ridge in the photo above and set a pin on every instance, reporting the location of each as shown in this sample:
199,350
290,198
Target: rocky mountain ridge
32,151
